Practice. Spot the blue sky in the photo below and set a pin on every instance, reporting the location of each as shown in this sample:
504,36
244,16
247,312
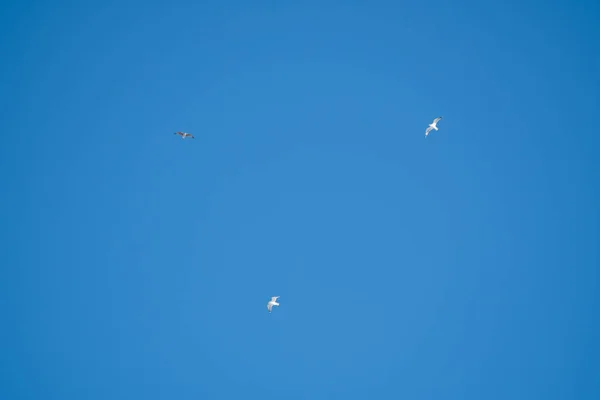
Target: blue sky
459,266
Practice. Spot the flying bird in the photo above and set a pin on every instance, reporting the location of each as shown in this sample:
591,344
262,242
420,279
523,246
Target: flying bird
432,125
272,303
184,135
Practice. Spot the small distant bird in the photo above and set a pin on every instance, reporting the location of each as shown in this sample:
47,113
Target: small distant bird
433,125
272,303
184,135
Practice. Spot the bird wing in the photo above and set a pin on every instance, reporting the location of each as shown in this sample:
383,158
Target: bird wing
274,298
428,130
435,121
269,306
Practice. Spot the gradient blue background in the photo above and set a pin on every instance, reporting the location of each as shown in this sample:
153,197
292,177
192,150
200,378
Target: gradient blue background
136,265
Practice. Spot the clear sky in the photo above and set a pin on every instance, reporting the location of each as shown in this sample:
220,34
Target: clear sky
136,265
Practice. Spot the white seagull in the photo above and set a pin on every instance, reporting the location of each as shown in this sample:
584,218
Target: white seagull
184,135
272,303
432,125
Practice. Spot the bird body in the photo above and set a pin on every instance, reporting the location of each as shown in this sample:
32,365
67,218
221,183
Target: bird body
272,303
432,126
184,135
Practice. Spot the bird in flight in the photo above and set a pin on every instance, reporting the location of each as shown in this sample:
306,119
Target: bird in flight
184,135
272,303
432,125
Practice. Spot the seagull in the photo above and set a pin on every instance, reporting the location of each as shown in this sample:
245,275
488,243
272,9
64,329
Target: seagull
184,135
272,303
432,126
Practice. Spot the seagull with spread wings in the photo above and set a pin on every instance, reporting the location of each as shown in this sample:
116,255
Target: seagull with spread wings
184,135
433,125
272,303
